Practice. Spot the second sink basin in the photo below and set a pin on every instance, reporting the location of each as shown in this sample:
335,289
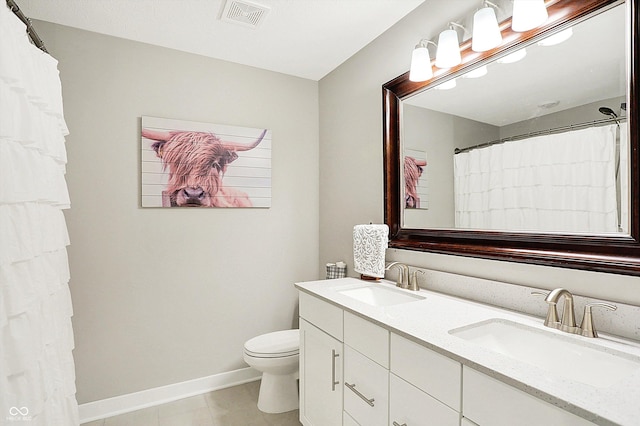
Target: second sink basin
570,358
377,295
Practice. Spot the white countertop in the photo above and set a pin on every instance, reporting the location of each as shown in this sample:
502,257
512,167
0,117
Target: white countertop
429,321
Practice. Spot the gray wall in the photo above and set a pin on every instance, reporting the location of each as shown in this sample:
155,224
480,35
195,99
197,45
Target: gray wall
439,134
351,151
167,295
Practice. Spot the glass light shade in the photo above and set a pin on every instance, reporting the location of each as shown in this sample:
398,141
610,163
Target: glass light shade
528,14
486,32
478,72
447,85
448,53
557,38
420,64
513,57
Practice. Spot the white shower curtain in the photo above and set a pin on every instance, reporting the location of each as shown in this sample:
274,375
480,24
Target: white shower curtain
561,182
37,378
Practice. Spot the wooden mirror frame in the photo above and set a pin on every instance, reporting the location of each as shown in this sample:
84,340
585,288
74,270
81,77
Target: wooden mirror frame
613,254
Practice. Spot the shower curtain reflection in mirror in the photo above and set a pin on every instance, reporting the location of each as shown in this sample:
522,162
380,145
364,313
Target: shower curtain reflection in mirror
564,182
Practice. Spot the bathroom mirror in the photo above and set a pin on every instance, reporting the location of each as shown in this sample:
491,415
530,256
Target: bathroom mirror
424,122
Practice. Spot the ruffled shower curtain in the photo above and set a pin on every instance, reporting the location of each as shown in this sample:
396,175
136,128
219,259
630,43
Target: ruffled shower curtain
37,378
563,182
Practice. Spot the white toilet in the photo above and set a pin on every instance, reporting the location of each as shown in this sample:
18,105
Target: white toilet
276,355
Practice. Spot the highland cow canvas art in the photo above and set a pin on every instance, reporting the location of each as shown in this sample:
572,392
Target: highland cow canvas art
192,164
415,180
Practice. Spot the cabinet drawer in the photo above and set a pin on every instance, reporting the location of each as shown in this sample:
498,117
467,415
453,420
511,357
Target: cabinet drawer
322,314
367,338
410,406
347,420
488,401
366,391
429,371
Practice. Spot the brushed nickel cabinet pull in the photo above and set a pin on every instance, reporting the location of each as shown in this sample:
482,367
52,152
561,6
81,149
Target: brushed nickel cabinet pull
398,424
334,382
364,398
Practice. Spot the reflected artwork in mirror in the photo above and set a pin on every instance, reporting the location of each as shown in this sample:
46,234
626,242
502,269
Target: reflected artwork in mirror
532,155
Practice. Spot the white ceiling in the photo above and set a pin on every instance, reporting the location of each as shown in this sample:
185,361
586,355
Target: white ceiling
304,38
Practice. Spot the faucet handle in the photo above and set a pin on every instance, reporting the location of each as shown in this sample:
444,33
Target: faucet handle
552,319
539,293
588,330
413,283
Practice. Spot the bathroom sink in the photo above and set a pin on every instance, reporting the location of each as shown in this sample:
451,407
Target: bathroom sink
571,358
377,295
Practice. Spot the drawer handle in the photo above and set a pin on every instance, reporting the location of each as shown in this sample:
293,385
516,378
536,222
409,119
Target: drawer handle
364,398
398,424
334,382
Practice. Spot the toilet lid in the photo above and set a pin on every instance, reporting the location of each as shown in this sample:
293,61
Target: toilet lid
277,344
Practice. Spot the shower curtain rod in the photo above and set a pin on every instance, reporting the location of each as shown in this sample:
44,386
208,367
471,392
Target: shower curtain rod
31,32
594,123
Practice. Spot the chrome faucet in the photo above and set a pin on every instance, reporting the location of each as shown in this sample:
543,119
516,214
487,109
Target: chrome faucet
403,274
567,322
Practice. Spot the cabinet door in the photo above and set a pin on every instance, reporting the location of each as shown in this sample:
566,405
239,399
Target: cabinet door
489,402
320,377
409,406
366,389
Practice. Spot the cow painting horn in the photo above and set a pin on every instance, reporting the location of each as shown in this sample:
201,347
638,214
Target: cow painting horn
156,135
243,147
421,162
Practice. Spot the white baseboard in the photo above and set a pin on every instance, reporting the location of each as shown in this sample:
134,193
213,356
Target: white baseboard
156,396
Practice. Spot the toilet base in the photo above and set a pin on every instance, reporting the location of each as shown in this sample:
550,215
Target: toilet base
278,393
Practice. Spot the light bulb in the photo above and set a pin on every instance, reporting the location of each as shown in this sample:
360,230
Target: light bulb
557,38
420,64
528,14
478,72
486,32
448,52
513,57
447,85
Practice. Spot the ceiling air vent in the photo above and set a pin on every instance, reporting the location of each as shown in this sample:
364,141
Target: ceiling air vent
244,13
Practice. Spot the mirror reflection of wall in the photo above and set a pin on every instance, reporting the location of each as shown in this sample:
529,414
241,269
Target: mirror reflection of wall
439,134
551,87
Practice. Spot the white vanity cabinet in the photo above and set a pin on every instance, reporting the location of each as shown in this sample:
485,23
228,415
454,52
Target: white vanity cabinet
489,402
424,386
372,366
366,371
321,361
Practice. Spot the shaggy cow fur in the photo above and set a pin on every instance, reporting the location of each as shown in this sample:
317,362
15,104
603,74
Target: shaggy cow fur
412,171
197,162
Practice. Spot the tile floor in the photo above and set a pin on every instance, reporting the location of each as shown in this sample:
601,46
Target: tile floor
235,406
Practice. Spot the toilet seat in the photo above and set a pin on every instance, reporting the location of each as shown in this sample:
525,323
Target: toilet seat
278,344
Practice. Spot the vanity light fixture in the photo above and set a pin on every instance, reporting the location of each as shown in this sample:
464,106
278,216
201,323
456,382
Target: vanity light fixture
528,14
448,52
513,57
477,73
486,31
421,62
557,38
